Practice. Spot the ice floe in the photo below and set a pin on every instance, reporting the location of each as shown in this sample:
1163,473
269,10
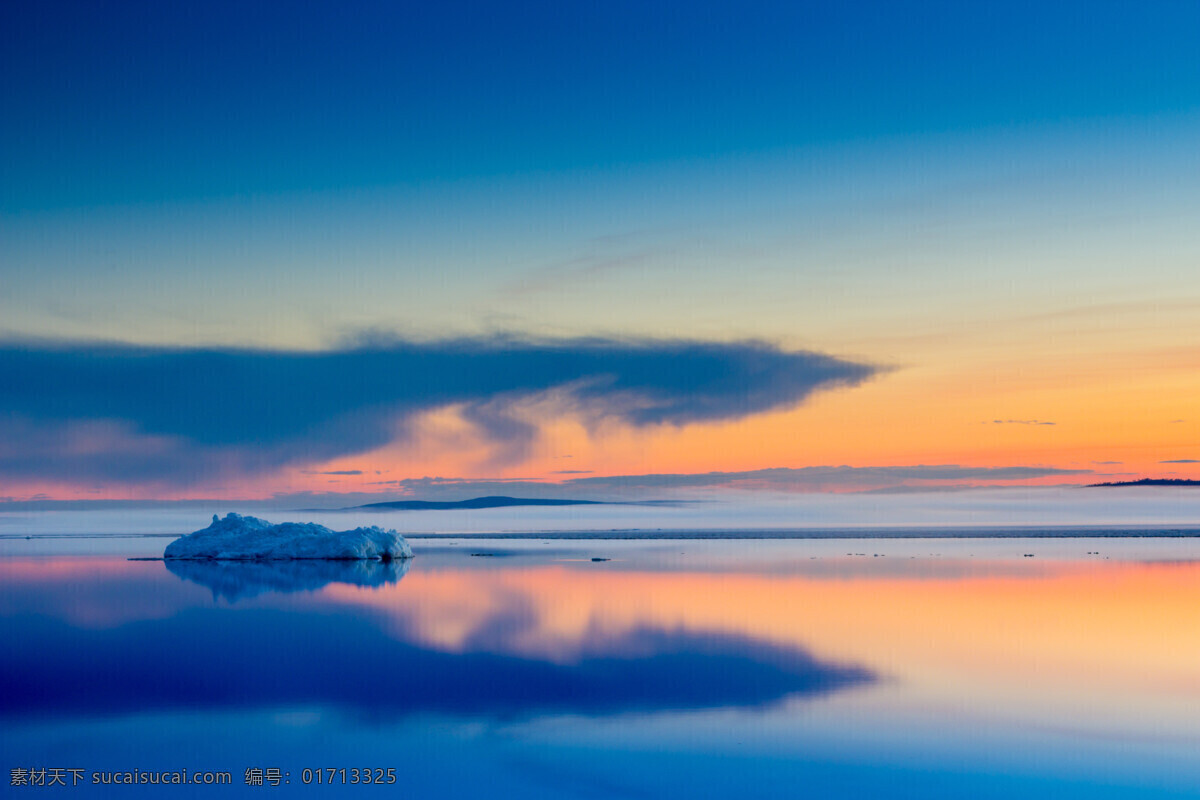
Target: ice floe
239,538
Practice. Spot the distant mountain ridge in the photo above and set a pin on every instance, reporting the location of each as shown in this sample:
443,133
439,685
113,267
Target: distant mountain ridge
1148,482
494,501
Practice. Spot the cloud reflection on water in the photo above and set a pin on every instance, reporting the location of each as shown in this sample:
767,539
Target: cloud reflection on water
264,658
1077,666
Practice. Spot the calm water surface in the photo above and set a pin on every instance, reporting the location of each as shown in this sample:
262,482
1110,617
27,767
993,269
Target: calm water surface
859,668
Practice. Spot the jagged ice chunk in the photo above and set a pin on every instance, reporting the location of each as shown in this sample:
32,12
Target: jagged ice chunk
238,538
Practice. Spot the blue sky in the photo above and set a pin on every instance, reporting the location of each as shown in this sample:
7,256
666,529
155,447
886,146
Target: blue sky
128,102
989,207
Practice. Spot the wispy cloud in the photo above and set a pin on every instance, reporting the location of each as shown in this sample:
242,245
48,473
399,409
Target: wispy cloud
1021,422
113,412
581,268
680,487
785,479
1182,461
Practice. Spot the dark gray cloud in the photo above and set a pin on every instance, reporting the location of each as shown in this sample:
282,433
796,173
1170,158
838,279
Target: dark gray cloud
1182,461
115,412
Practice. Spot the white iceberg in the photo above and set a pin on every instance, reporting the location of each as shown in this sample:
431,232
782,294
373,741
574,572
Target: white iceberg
238,538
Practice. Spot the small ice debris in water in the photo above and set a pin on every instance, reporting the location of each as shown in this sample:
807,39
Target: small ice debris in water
238,538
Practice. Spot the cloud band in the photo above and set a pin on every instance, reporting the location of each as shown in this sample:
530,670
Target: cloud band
72,411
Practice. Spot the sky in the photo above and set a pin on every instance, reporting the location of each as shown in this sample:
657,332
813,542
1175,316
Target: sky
251,250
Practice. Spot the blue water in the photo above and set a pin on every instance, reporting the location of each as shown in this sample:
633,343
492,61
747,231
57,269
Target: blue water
861,668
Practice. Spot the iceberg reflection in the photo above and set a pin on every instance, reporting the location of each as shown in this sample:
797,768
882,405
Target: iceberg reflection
239,580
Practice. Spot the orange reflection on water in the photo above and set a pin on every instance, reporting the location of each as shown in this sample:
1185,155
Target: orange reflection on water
1079,639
